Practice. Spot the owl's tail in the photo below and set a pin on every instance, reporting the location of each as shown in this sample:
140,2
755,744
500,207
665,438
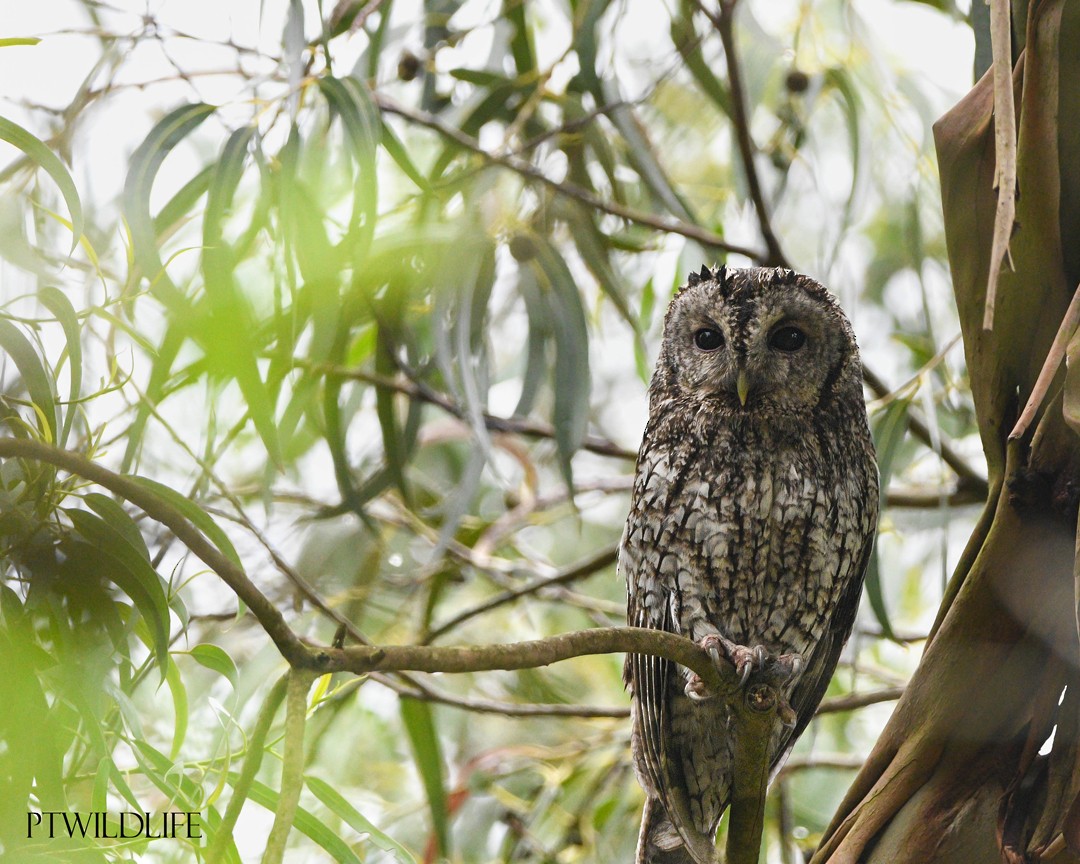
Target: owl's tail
659,842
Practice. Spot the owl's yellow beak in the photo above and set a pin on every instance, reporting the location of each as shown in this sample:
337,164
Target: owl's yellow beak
742,387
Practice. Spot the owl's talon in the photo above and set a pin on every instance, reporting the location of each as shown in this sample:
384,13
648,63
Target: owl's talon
696,689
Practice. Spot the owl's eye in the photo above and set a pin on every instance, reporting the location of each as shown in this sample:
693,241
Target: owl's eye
787,339
708,340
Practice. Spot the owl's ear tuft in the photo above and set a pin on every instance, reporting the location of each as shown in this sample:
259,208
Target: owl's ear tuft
704,274
720,274
692,280
783,276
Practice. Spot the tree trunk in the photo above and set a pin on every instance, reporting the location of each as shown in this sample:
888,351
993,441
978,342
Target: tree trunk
957,775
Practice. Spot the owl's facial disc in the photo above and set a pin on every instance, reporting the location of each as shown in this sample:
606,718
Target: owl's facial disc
754,342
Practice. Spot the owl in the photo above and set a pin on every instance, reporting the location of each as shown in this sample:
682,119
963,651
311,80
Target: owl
751,524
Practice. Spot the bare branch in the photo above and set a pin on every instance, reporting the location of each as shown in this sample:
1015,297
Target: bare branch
854,701
602,559
524,426
703,236
970,479
724,24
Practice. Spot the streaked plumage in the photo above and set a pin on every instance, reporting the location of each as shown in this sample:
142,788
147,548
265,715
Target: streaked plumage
754,521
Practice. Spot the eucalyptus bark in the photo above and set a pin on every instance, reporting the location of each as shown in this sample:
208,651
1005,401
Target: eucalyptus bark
957,775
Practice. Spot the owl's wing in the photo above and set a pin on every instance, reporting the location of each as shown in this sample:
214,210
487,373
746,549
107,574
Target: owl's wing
649,677
822,661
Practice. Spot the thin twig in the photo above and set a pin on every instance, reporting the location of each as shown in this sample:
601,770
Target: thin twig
592,564
838,762
914,499
724,24
511,709
525,426
292,765
1050,366
252,762
703,236
854,701
1004,149
968,476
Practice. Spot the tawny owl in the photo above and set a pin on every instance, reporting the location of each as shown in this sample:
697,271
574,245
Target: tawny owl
752,519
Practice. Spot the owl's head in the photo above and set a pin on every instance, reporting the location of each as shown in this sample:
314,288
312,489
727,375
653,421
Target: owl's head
756,340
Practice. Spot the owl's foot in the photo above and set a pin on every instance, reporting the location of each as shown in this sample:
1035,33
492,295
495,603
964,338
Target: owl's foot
757,661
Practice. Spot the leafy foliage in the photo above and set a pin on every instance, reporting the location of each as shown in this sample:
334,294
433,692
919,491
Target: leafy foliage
378,327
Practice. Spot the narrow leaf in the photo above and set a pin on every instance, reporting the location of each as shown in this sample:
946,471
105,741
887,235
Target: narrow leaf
216,659
57,302
420,727
889,430
195,514
39,152
572,382
37,380
144,166
121,564
356,820
305,822
180,707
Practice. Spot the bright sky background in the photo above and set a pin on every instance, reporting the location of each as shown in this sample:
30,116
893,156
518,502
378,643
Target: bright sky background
917,37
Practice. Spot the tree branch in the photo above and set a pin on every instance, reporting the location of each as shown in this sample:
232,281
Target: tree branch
755,707
526,169
724,24
268,615
292,765
970,479
598,561
524,426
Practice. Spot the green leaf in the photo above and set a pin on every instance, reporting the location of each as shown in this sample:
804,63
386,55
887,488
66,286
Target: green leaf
352,101
305,822
180,790
688,43
420,727
227,335
194,514
18,40
521,42
182,202
57,302
889,429
39,152
118,518
540,334
165,774
396,445
180,707
143,169
216,659
31,757
572,381
38,382
398,152
838,78
356,820
120,563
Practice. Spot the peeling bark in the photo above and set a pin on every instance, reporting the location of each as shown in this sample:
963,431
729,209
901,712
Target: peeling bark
956,776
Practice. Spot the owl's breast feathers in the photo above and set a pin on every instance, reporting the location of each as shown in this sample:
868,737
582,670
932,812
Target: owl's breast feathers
756,529
752,528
